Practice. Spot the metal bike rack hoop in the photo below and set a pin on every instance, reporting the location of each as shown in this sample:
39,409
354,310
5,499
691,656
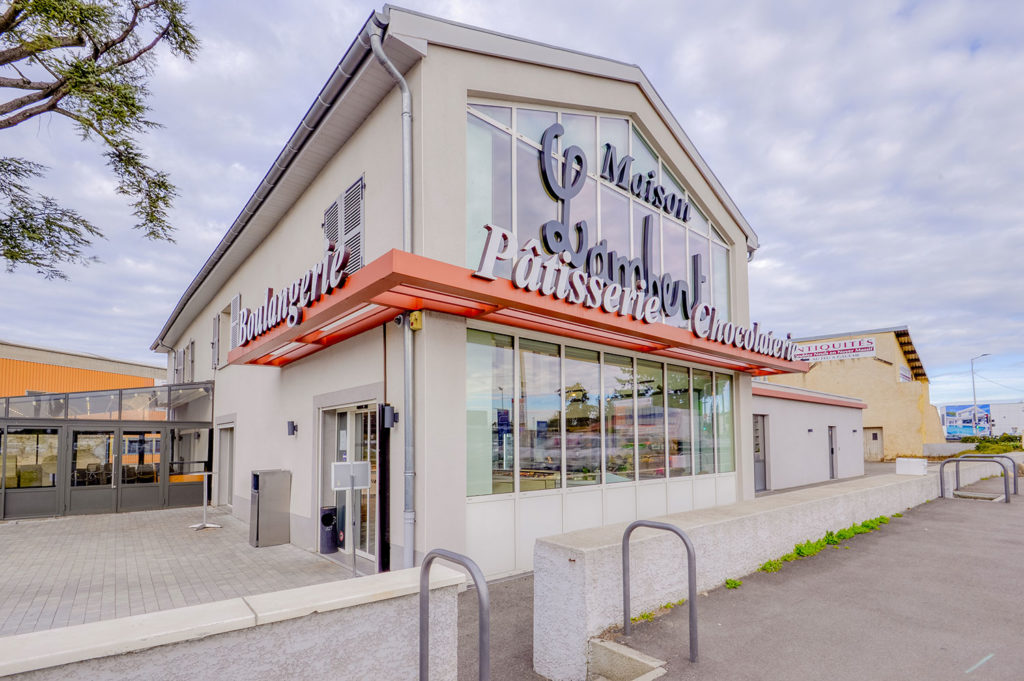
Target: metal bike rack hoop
691,568
484,611
942,479
983,457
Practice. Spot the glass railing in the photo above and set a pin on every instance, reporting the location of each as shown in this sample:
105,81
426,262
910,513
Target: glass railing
188,402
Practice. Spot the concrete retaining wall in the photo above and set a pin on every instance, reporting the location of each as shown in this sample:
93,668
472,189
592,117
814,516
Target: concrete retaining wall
947,448
578,576
356,629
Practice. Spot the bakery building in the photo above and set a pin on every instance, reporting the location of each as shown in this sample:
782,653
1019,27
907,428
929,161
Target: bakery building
499,273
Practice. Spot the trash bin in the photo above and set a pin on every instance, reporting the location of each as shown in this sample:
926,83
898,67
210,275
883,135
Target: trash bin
328,529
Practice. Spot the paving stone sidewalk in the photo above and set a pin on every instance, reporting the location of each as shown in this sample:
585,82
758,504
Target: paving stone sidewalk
63,571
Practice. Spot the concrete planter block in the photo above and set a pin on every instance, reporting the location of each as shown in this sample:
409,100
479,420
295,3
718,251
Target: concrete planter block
911,466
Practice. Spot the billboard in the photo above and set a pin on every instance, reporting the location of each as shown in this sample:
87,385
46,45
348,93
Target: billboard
826,351
959,420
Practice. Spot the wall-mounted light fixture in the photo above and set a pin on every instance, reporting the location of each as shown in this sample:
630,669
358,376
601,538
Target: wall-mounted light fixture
292,428
810,430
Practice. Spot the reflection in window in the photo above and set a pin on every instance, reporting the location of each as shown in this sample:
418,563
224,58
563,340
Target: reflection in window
501,114
678,421
534,205
192,403
582,398
188,454
540,416
645,160
615,221
720,285
704,401
618,418
140,457
490,463
37,407
614,131
580,131
488,187
144,404
531,124
98,405
650,400
92,458
30,457
676,261
723,423
699,246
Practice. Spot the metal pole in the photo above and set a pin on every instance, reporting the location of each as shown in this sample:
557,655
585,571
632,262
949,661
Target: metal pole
352,517
691,570
483,611
206,502
974,394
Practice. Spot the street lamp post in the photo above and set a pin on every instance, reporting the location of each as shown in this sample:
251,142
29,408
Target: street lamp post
974,393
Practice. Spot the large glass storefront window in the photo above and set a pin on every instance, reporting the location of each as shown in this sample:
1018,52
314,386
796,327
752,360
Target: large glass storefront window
723,424
704,423
30,457
490,457
540,416
504,187
576,407
679,436
618,418
650,390
582,397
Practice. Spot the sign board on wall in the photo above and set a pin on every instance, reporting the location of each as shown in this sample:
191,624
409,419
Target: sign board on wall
959,420
826,351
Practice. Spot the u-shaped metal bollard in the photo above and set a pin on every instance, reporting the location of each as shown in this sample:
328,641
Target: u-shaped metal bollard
484,614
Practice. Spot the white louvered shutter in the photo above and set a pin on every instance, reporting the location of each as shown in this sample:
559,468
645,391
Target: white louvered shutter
215,342
236,309
179,362
352,236
331,224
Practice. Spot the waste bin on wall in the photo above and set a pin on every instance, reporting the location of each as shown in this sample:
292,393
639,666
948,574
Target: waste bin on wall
328,529
269,518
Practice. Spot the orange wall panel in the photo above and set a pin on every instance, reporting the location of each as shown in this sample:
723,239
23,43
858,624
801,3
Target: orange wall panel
18,376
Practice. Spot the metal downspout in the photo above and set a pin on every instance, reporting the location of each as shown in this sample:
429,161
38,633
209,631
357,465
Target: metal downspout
409,539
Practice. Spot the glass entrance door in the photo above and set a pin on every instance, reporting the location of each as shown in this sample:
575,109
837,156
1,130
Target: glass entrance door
760,455
94,472
142,469
351,435
31,459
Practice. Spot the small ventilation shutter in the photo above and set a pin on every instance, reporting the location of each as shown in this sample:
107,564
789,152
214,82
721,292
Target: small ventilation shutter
331,224
215,342
236,309
353,225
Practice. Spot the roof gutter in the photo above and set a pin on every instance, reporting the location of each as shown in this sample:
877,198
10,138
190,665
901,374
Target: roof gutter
357,52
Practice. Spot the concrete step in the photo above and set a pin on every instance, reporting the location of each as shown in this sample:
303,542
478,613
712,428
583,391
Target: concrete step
610,661
984,496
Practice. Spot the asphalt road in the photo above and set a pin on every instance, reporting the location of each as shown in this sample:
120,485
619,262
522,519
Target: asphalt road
936,594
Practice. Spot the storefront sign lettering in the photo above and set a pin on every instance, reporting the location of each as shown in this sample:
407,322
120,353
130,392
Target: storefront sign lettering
832,350
562,264
705,323
287,304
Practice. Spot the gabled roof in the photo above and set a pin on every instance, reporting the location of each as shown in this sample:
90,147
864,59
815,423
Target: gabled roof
355,88
902,334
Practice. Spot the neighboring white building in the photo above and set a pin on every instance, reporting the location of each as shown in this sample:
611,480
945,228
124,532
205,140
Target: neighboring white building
557,380
993,418
802,436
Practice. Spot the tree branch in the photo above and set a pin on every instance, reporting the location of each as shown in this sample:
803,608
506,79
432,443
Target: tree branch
22,51
23,83
22,102
8,18
26,114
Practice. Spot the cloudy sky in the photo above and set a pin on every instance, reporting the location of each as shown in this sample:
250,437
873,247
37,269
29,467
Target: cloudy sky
876,147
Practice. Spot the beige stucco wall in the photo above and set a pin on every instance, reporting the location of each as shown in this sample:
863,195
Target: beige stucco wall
902,410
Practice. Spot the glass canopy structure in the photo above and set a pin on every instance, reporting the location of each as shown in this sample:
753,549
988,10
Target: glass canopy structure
104,451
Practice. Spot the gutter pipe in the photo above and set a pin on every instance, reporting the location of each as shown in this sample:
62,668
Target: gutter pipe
377,26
